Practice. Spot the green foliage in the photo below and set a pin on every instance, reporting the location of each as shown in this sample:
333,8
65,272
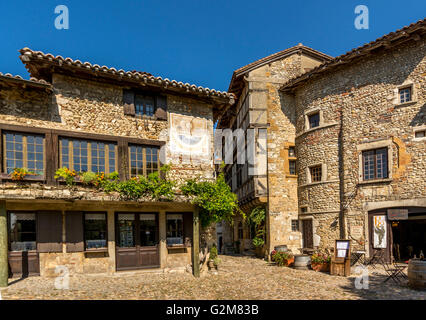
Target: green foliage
214,198
258,242
19,174
257,216
281,258
68,175
216,261
88,177
213,252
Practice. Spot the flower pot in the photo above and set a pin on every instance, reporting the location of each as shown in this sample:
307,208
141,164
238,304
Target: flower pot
290,262
259,252
320,267
302,261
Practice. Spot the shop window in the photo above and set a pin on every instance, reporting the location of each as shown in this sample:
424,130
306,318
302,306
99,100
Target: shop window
126,230
86,155
23,151
22,231
148,229
375,164
95,230
174,229
294,225
405,95
316,173
143,160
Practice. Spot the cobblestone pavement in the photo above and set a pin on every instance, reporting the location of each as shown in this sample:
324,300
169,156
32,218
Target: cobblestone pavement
238,278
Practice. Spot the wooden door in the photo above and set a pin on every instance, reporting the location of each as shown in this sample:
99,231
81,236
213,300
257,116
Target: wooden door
308,237
137,241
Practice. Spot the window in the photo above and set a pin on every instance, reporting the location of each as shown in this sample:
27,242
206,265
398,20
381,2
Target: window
174,229
22,231
291,152
148,229
23,151
143,160
316,173
144,105
294,225
292,167
86,155
240,231
375,164
95,230
314,120
304,209
420,134
405,95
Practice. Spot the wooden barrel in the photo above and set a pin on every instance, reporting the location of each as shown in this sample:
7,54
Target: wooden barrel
417,274
302,261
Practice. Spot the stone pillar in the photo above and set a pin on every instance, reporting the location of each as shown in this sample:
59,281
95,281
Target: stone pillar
4,267
111,240
196,244
162,238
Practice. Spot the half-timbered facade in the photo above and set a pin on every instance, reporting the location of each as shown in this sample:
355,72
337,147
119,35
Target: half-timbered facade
90,118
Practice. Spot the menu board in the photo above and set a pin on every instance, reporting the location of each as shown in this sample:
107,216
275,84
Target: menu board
342,249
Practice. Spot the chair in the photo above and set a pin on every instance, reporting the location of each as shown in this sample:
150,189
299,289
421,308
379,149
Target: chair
394,270
377,258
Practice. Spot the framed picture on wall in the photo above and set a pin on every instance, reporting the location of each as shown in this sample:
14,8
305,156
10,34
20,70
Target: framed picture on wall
379,232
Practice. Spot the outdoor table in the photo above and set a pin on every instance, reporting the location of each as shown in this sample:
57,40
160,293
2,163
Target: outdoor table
357,256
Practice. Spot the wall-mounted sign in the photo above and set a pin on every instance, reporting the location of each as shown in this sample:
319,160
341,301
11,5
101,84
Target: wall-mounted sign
397,214
380,232
357,232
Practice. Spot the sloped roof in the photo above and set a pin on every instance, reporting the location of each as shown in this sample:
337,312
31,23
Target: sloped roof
31,82
300,48
40,64
385,41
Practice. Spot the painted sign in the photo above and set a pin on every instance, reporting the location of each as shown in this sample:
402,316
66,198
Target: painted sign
397,214
380,232
357,232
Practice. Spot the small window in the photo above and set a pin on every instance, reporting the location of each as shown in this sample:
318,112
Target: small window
405,95
143,160
420,134
95,230
24,151
316,173
314,120
148,229
22,231
304,209
375,164
294,225
240,231
292,167
174,229
291,152
144,105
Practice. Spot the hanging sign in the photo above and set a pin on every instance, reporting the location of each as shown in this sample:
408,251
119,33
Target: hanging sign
397,214
380,232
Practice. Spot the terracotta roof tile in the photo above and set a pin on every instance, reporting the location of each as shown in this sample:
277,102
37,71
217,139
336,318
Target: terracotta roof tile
32,80
356,52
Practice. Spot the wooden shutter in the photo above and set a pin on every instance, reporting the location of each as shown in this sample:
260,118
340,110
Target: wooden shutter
308,237
161,111
129,102
49,232
74,231
187,226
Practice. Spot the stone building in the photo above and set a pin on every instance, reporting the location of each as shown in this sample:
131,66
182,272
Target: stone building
344,145
94,118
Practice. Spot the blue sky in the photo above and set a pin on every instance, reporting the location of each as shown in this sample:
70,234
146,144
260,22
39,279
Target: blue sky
193,41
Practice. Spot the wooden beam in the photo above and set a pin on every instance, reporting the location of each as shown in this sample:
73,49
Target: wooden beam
4,266
196,243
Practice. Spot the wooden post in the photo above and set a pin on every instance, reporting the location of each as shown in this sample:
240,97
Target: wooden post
4,267
196,244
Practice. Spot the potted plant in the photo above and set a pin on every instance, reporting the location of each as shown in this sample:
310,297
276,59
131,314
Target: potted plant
19,174
258,244
213,257
282,259
320,262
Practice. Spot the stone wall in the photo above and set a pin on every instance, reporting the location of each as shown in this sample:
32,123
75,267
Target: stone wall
358,108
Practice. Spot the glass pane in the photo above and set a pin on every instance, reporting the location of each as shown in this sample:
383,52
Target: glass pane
22,231
126,228
148,230
95,230
174,229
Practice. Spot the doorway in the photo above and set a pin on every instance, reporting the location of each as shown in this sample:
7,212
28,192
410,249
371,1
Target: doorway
409,237
137,241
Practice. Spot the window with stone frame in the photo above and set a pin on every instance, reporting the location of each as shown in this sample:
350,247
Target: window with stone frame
292,167
88,155
294,225
291,152
22,231
375,164
144,160
420,134
23,150
314,120
405,95
316,173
